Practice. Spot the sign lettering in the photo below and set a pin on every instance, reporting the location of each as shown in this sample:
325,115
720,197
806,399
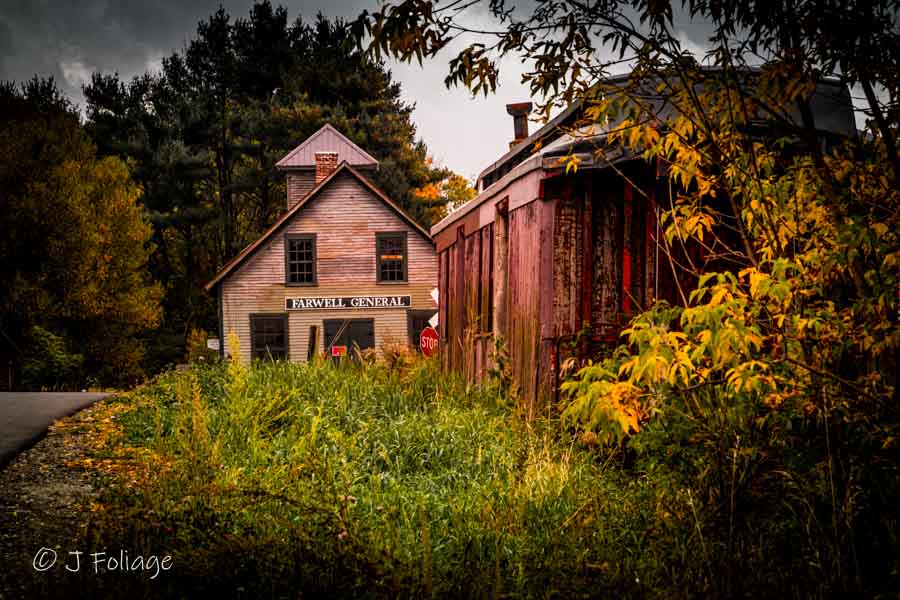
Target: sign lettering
428,341
348,302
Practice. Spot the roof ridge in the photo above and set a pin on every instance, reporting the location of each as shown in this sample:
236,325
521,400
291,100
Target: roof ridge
244,254
326,127
303,143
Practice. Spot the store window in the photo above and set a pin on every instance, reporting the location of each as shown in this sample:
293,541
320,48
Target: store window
390,250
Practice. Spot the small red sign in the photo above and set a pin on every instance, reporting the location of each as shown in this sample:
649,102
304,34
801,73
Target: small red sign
428,341
339,350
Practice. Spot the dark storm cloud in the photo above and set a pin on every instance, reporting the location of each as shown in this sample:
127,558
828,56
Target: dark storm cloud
6,47
69,40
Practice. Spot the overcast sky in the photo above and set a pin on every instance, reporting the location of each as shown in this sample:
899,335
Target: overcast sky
70,39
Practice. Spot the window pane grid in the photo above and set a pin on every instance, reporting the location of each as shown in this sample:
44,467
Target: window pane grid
391,258
269,337
301,260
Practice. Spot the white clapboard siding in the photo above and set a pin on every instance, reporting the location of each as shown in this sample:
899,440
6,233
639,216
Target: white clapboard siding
345,216
299,183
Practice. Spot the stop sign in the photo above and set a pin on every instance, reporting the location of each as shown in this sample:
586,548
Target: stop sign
428,341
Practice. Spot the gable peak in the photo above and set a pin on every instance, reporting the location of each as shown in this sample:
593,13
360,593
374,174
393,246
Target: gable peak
327,139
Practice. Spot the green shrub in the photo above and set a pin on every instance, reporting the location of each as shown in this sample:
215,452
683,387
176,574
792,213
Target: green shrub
49,363
766,483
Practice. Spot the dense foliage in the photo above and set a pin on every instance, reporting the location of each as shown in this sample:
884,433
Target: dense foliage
393,480
76,299
767,401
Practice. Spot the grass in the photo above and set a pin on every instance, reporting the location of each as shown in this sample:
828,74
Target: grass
396,480
361,480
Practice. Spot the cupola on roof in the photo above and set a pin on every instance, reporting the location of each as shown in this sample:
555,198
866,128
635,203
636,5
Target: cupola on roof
327,139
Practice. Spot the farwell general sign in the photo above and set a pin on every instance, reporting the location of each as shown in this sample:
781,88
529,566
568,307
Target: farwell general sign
338,302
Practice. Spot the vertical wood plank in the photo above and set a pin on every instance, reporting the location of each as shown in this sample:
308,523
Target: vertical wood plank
626,248
546,357
453,301
443,303
587,265
485,304
459,316
472,315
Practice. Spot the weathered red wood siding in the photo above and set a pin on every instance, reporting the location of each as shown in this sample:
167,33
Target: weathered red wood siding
485,346
458,317
568,261
469,275
444,300
604,255
581,257
345,217
528,231
472,275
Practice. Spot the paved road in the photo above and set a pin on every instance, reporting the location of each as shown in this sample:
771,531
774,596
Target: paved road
25,417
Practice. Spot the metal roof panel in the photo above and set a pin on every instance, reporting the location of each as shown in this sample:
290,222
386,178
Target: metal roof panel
326,139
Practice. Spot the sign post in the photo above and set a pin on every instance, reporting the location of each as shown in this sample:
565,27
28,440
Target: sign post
428,341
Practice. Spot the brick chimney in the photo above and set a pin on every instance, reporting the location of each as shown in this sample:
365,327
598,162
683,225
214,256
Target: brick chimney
326,162
519,112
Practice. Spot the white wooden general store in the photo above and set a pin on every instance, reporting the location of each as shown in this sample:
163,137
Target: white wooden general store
343,268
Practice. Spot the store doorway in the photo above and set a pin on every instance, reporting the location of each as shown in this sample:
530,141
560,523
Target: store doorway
347,337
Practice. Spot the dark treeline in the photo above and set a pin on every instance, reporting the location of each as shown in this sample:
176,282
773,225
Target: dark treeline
76,297
201,138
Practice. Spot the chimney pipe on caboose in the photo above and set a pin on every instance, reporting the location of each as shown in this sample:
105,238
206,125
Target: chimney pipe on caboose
519,112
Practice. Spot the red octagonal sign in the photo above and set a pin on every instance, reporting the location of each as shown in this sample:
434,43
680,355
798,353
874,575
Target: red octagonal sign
428,341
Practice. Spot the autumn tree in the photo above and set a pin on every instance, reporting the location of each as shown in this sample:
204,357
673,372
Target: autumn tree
437,199
73,254
769,394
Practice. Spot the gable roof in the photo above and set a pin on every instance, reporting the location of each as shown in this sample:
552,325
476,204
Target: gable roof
247,252
326,139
